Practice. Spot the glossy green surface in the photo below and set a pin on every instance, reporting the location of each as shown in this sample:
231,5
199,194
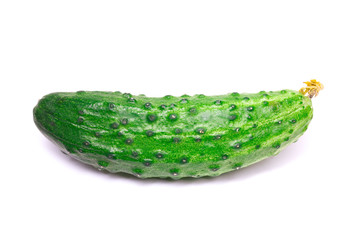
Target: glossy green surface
187,136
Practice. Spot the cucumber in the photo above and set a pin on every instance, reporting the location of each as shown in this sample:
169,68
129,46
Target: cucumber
173,137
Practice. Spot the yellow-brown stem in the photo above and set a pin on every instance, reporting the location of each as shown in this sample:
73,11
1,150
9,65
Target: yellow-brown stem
312,89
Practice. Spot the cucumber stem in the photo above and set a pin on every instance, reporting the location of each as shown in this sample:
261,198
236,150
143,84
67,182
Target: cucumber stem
312,89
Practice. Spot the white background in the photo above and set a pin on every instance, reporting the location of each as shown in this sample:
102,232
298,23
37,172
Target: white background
309,191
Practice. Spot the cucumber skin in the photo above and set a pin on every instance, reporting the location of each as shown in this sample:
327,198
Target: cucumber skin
110,130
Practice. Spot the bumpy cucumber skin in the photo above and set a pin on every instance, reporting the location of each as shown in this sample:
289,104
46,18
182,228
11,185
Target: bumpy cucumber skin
176,137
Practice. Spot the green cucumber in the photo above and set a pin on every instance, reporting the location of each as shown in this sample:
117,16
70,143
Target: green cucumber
176,137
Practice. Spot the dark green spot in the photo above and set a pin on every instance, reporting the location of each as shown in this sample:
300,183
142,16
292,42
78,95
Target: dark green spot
279,122
192,110
86,143
162,107
149,133
201,130
250,109
111,156
178,131
80,120
265,95
197,139
97,134
232,107
147,162
257,146
114,125
111,106
246,99
81,112
224,157
218,102
291,130
138,171
172,117
129,141
265,103
174,171
217,137
235,94
159,155
147,105
176,140
183,160
237,146
237,166
120,134
232,117
127,95
184,100
276,145
214,167
102,163
254,126
293,121
201,96
124,121
135,154
152,117
286,139
237,129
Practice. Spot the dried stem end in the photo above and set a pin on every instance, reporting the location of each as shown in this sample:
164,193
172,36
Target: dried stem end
312,89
